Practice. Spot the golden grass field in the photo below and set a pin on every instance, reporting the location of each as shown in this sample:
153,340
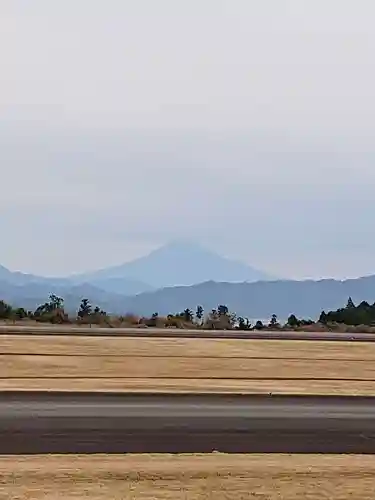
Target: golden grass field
188,477
183,365
178,365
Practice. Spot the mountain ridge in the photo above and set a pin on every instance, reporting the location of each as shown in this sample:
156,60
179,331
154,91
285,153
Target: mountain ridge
306,299
179,263
116,290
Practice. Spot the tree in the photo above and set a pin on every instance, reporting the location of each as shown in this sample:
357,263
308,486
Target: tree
244,323
351,315
307,322
214,315
199,314
350,304
174,321
323,319
85,310
259,325
40,311
223,310
221,319
212,320
274,323
51,311
55,302
232,319
188,315
364,305
98,315
5,310
293,321
20,313
153,321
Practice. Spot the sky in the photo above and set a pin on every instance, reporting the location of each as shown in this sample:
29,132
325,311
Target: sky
247,126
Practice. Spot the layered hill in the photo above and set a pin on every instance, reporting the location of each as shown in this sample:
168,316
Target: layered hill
258,300
255,300
181,275
178,263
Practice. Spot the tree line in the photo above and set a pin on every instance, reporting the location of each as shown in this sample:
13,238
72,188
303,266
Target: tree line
221,318
351,314
53,311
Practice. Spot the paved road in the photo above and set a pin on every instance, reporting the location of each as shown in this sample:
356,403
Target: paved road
174,333
109,423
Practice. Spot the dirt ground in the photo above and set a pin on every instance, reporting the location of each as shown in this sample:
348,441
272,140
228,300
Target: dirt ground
182,365
188,477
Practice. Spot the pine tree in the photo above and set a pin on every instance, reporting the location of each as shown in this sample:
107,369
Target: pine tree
350,304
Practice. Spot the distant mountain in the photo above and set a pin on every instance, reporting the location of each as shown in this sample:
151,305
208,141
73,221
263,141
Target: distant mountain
121,286
124,286
178,263
18,278
29,290
31,295
257,300
5,273
147,285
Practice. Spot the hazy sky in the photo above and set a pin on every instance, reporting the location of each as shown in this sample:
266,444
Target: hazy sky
247,125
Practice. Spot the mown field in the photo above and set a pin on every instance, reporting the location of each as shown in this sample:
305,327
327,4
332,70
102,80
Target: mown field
188,477
184,365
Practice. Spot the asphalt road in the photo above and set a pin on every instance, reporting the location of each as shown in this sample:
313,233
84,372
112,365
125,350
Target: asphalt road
175,333
110,423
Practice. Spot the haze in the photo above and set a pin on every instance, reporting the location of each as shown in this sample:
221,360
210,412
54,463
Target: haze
245,125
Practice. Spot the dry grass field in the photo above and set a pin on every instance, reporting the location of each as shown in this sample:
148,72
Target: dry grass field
183,365
199,477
